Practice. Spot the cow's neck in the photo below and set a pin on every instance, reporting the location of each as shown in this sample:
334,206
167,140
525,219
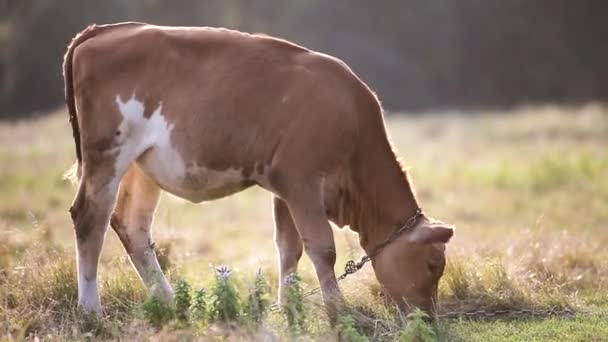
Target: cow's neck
384,197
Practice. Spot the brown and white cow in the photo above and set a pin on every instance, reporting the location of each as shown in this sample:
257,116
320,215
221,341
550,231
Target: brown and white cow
204,113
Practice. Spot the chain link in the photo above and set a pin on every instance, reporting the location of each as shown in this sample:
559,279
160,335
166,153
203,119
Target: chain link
409,224
350,268
477,314
491,314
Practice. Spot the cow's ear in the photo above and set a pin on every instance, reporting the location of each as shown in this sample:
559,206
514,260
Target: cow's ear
433,233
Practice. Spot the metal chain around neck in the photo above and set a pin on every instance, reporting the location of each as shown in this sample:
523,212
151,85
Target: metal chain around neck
409,224
352,266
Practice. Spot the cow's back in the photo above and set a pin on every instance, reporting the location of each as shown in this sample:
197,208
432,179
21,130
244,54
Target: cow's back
227,101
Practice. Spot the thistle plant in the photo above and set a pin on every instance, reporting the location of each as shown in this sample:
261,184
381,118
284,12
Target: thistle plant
417,328
157,312
294,308
225,304
348,330
183,298
257,301
198,309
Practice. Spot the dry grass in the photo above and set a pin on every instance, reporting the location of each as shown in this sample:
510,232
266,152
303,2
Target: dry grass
528,193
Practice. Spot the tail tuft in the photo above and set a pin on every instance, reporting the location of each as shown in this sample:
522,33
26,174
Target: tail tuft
73,174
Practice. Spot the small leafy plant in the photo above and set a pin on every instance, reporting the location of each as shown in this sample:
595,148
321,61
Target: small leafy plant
418,328
257,301
294,308
347,327
198,309
183,299
225,303
157,312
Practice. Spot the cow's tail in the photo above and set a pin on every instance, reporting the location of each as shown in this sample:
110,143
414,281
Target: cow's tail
91,31
73,174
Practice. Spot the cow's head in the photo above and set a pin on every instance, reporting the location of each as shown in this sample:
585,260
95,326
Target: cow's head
409,268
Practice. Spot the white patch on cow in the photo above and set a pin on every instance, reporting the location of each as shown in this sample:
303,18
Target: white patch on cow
88,295
148,140
152,135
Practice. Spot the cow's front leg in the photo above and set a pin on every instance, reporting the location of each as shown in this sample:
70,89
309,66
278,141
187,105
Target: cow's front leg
288,242
132,220
306,207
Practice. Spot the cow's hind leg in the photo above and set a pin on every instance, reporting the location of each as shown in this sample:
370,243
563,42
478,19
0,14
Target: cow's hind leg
288,242
90,213
132,220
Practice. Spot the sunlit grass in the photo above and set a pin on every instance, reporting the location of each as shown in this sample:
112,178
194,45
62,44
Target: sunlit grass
528,194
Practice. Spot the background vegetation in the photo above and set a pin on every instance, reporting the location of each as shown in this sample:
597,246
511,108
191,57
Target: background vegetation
418,54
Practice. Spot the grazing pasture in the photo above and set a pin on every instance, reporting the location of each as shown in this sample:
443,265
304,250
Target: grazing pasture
527,191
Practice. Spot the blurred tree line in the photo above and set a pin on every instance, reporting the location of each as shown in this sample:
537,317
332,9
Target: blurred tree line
417,54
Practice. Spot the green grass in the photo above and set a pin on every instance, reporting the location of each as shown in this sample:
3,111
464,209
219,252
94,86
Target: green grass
584,328
528,193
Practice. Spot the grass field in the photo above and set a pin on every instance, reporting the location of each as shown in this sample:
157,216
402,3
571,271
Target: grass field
528,193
